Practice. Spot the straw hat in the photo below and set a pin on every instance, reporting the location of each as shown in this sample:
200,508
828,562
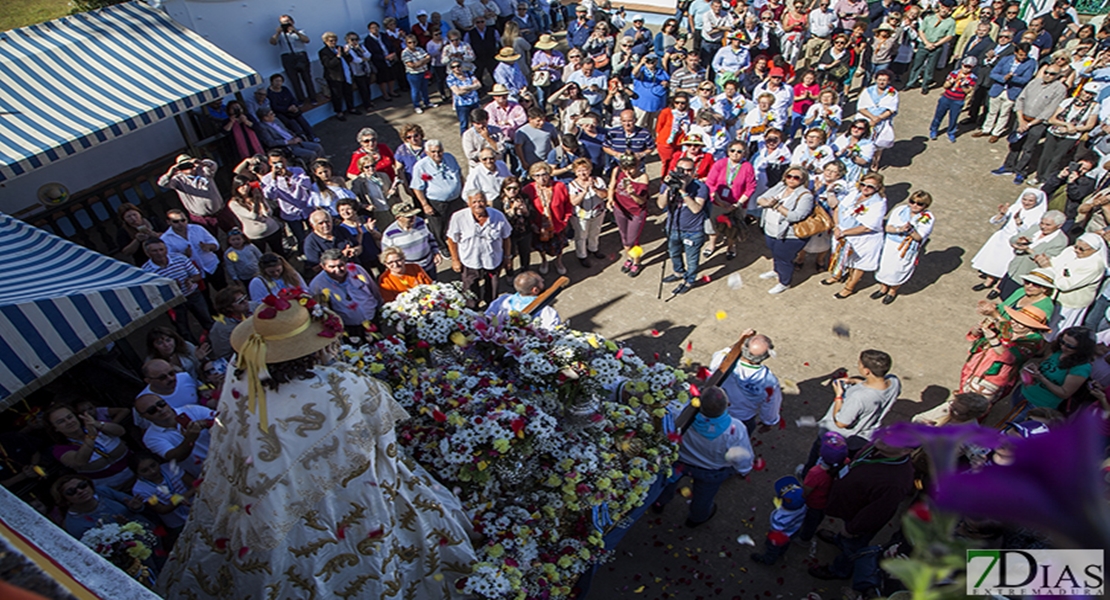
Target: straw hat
1030,316
1040,276
499,90
546,42
507,55
286,328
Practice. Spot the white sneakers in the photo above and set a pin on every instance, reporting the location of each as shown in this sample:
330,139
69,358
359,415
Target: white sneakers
768,275
778,289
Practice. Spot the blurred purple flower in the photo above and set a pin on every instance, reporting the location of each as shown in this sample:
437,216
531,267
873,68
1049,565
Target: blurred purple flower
1054,485
941,443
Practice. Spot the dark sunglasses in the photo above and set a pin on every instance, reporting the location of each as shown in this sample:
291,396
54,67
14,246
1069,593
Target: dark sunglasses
84,485
917,203
157,406
792,176
868,186
1068,345
178,220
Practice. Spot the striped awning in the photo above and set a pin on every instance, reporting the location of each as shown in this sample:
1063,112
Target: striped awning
71,83
60,302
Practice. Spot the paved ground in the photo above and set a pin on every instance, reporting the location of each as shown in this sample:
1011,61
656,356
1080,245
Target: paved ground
923,331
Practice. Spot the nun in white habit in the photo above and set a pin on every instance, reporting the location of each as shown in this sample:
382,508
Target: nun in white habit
1078,271
993,258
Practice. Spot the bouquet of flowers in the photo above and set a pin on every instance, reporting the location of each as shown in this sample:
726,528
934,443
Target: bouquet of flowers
548,437
126,546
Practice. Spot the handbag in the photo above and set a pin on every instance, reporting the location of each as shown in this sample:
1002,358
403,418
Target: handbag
817,222
601,61
541,78
839,72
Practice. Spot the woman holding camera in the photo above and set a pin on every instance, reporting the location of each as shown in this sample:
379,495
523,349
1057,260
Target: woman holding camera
241,130
785,204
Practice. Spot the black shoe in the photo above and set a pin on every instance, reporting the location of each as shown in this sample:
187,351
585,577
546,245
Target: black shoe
340,117
681,289
876,295
626,267
673,277
692,524
978,287
823,572
889,299
826,536
731,254
635,270
585,262
993,295
600,255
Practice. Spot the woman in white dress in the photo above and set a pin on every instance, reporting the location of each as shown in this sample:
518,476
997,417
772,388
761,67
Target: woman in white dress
770,162
305,494
879,105
813,154
1078,271
858,234
907,229
995,255
855,149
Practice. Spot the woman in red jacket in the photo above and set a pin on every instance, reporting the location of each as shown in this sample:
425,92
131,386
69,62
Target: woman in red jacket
672,125
552,210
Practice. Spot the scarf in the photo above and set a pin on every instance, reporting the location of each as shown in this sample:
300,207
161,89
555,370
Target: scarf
711,428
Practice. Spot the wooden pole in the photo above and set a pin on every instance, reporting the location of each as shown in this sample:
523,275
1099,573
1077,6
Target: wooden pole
547,294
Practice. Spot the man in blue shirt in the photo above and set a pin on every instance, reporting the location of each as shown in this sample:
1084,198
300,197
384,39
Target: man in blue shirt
578,31
437,184
629,137
684,198
649,82
348,290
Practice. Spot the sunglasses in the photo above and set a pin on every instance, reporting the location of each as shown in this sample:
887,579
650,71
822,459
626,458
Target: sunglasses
178,220
1068,345
868,186
917,203
84,485
488,159
682,170
736,151
152,410
775,140
396,261
792,176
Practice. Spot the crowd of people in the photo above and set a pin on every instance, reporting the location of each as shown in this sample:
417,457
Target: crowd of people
767,115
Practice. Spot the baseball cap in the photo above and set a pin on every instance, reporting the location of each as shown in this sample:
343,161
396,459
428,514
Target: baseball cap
789,490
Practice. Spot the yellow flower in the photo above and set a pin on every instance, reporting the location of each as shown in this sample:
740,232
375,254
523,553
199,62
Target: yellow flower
593,341
376,368
452,375
483,465
496,551
501,445
233,256
696,402
459,339
176,499
139,551
636,251
452,313
565,561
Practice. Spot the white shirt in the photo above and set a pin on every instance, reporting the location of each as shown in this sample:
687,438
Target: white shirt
507,303
480,246
207,261
822,22
482,180
161,440
184,394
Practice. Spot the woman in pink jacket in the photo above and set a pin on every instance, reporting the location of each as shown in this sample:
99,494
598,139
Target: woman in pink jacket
731,182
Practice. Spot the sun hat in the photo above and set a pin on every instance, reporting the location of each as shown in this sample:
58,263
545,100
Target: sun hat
884,27
183,159
581,8
1040,276
405,209
693,139
507,55
789,491
499,90
1030,316
546,42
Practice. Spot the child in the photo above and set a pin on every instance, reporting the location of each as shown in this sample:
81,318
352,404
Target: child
714,448
241,258
786,519
817,483
957,86
165,488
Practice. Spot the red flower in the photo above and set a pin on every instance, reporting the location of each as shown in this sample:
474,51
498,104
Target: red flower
921,511
351,267
425,177
517,425
438,415
276,302
266,313
221,543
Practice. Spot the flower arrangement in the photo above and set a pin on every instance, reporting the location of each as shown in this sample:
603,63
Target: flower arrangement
125,546
531,427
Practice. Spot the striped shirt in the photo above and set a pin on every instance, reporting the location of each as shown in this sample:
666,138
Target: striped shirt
620,141
417,243
179,269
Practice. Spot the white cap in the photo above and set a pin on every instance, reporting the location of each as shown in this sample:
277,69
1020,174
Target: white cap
1093,87
637,17
422,13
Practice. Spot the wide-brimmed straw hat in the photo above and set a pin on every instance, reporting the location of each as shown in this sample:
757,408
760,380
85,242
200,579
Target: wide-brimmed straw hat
286,328
546,42
499,90
1030,316
507,55
1040,276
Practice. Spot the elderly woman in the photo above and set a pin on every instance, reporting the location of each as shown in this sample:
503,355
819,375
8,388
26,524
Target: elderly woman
858,234
551,210
825,114
368,139
879,105
336,61
274,274
136,228
90,504
785,204
407,154
1037,290
92,448
1000,345
835,64
628,192
1046,238
814,153
993,258
588,196
547,66
770,162
399,276
855,149
671,126
1078,272
731,183
907,230
830,189
376,191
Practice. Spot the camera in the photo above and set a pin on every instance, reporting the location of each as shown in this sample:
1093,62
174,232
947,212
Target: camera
235,111
675,183
1073,167
287,27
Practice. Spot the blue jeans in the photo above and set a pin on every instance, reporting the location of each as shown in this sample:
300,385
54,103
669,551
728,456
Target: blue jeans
463,112
950,107
783,253
689,244
418,89
706,484
794,125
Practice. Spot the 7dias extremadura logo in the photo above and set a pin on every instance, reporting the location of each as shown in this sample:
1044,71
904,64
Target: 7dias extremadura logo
1035,572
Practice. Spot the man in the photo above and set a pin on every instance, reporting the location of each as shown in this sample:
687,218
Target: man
1040,38
822,23
1008,78
714,449
324,237
195,184
485,42
650,83
1010,20
977,40
715,24
185,273
194,242
232,306
529,28
1058,23
348,290
290,188
481,136
1068,188
1035,104
274,134
592,82
628,137
689,76
409,233
294,58
479,242
528,286
861,402
957,86
177,434
753,390
934,31
535,140
642,37
487,176
505,113
284,103
578,30
684,202
1002,48
437,183
461,17
177,388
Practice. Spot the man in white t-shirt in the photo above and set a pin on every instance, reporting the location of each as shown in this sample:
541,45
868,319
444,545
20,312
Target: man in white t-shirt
177,434
163,380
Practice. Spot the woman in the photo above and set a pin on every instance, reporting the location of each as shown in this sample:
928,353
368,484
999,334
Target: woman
878,104
394,39
883,48
588,195
517,211
417,72
813,154
907,230
551,210
1074,118
858,234
362,71
547,67
399,276
600,46
569,106
731,183
1037,290
994,257
835,64
364,236
135,229
464,92
92,448
456,49
999,348
704,98
825,114
756,74
574,62
730,60
794,22
756,123
693,148
850,11
618,97
830,189
327,188
709,126
666,38
511,38
336,61
1054,380
785,204
408,153
274,274
166,344
1046,239
770,162
1078,272
255,214
671,126
375,190
855,149
806,93
240,128
628,191
383,58
294,499
89,505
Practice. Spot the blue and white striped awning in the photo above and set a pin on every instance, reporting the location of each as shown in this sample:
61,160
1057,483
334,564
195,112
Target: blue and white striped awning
71,83
60,302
